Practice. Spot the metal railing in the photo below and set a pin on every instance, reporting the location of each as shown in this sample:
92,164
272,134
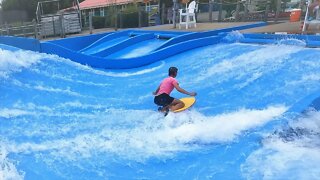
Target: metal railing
25,30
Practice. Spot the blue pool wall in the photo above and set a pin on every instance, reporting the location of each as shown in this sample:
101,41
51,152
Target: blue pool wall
177,42
310,40
99,62
69,47
21,42
78,43
126,43
195,35
181,40
8,47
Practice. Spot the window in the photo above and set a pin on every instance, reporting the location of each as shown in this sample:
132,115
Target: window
101,11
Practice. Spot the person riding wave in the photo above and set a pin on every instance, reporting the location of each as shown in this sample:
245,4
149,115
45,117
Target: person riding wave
162,93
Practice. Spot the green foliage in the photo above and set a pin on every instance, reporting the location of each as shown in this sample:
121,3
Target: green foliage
130,17
98,22
130,8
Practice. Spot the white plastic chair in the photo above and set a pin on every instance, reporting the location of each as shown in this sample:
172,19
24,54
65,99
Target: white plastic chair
189,16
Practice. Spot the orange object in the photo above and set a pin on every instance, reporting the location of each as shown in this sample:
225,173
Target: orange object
185,1
295,15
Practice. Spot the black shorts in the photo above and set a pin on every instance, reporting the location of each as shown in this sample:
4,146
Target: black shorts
163,99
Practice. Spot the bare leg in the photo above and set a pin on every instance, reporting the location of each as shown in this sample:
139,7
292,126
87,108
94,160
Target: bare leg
176,104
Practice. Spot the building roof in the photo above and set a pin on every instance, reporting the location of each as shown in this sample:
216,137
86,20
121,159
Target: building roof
90,4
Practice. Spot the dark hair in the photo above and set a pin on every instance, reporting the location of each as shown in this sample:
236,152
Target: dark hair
173,71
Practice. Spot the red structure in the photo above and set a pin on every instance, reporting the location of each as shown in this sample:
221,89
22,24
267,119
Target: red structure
92,4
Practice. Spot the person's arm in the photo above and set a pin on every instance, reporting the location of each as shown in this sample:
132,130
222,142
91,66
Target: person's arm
156,92
176,85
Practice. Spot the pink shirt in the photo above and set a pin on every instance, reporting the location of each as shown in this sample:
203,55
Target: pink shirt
167,85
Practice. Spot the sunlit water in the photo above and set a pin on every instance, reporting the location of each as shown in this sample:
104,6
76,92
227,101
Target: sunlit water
60,119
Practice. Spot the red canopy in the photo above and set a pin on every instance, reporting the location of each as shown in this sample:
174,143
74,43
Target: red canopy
90,4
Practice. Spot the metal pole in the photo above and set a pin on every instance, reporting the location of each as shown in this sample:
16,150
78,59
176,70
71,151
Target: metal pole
90,21
62,26
116,20
267,11
121,19
23,30
246,10
237,11
54,28
175,8
220,11
306,17
210,10
35,29
163,11
7,29
79,13
139,16
278,10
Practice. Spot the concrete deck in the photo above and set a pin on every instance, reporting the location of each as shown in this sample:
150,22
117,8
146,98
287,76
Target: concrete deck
288,27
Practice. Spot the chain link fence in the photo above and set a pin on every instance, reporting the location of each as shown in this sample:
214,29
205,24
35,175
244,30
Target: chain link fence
132,16
207,11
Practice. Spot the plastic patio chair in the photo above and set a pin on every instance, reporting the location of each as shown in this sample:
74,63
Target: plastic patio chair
189,16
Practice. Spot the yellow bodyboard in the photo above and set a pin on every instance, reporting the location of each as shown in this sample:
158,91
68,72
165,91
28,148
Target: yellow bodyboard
188,102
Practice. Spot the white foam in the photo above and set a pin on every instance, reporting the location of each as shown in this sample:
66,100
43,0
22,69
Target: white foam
296,159
15,61
234,36
66,90
255,62
10,113
292,42
8,170
57,90
222,128
147,134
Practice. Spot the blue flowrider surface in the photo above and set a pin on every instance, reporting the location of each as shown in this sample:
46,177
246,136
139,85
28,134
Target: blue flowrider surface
63,120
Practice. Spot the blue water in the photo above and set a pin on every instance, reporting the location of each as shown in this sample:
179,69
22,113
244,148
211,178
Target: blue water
105,45
139,49
63,120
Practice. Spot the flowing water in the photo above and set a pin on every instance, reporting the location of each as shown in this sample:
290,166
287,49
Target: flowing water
60,119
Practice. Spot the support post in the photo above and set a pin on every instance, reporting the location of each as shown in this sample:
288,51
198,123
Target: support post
116,20
210,10
220,11
267,11
121,19
35,29
306,18
246,10
163,13
175,8
139,17
90,22
237,18
278,10
7,29
53,26
62,26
